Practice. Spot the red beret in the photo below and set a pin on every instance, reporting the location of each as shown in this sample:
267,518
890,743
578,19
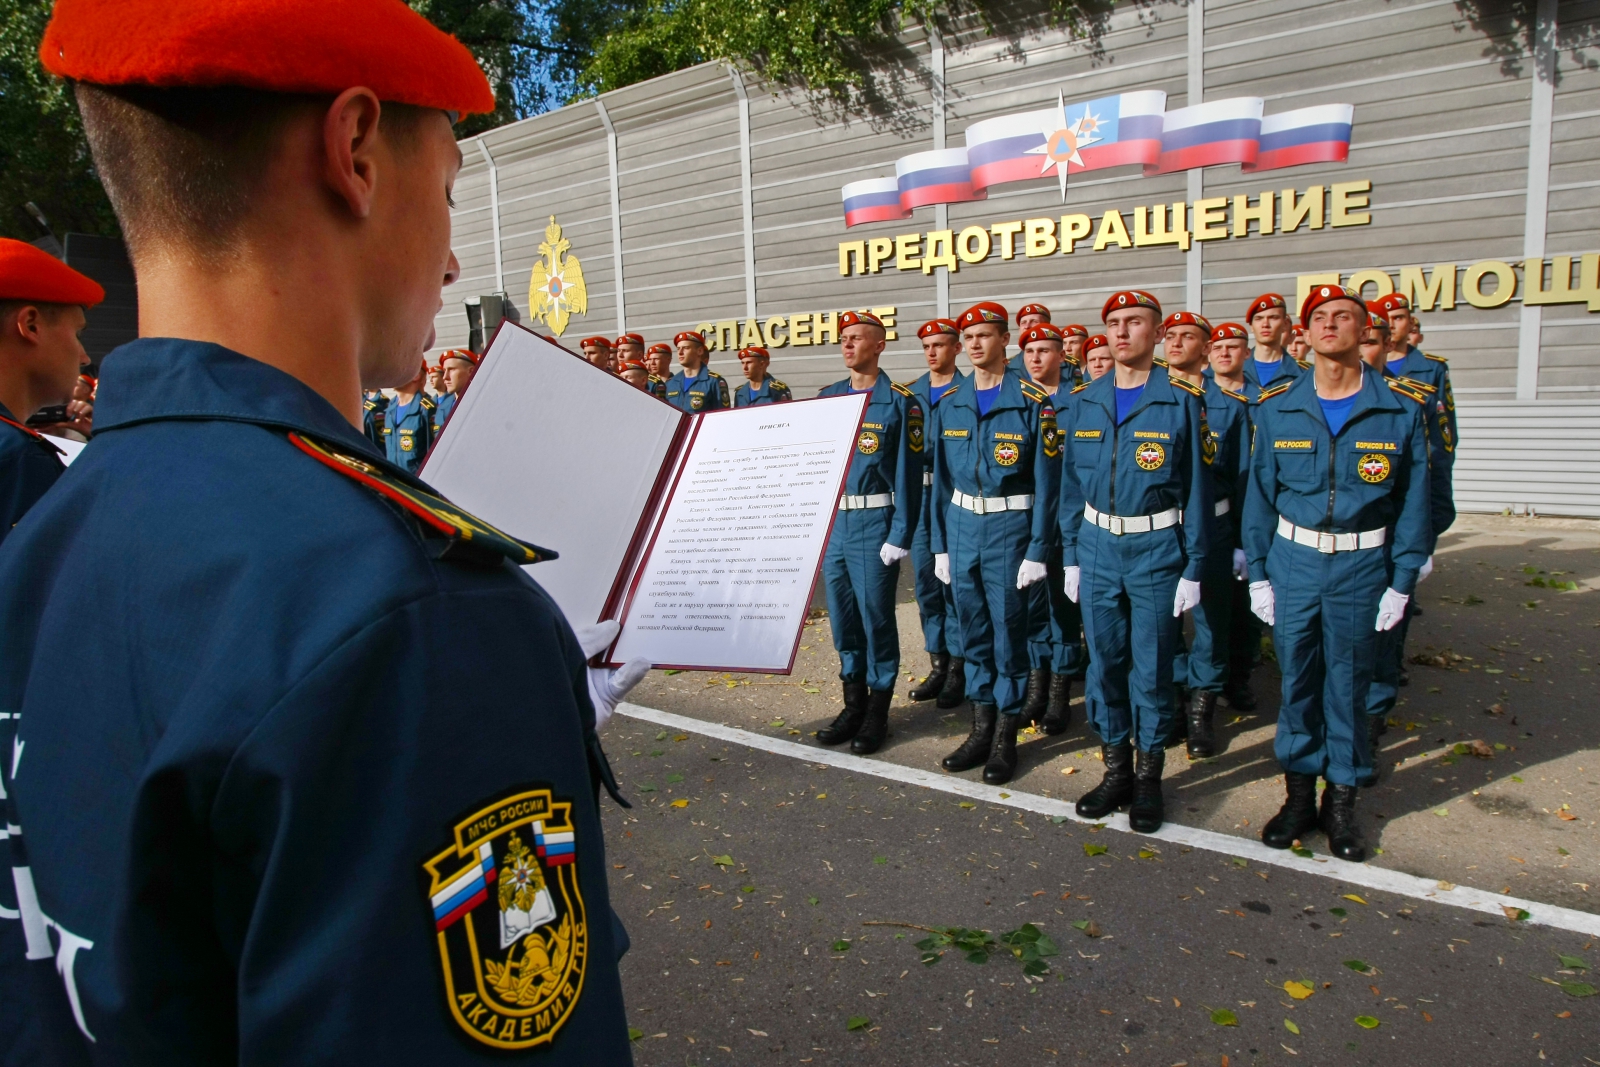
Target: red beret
659,346
595,342
1385,304
754,350
1040,332
1297,331
1130,298
985,311
1185,318
1230,331
1074,330
859,318
1262,303
282,46
689,335
1099,340
29,273
937,327
631,364
1032,309
461,353
631,339
1377,321
1327,294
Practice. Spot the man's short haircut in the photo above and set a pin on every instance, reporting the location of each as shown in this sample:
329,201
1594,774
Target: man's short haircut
48,311
188,164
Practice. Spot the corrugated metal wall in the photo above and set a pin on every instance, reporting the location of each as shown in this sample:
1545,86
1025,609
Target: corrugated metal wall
1444,109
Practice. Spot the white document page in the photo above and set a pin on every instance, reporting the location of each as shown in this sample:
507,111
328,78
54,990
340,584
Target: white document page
728,577
558,452
68,446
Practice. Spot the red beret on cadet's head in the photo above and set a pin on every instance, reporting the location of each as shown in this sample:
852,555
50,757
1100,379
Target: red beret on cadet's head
1263,303
1040,332
461,353
1327,294
1230,331
595,342
29,273
690,335
631,364
659,346
937,327
1185,318
1377,321
1130,298
984,311
1032,309
630,339
1074,330
282,46
859,318
754,350
1099,340
1385,304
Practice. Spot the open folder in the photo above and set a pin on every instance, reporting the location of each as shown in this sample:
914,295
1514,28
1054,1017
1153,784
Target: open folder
702,534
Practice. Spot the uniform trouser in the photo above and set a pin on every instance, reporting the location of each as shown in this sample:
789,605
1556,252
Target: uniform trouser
1244,637
1326,605
1055,629
986,551
1126,590
1388,660
861,598
936,604
1205,664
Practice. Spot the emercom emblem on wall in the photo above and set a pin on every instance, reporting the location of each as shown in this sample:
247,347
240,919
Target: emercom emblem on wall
557,292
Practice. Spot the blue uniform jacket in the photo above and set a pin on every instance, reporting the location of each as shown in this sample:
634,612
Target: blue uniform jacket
374,411
1433,372
658,387
1228,418
772,391
296,707
1290,369
1372,475
1014,450
408,432
706,391
888,456
29,465
441,411
1441,460
1159,458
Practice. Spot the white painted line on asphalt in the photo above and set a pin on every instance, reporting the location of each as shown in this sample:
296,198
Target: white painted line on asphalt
1355,874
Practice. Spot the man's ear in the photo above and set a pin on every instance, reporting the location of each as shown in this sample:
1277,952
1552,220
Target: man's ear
27,324
349,146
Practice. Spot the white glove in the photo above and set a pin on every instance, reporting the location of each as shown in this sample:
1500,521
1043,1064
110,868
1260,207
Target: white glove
1262,603
1070,583
608,686
1391,609
1187,596
891,555
1241,566
1427,569
941,567
1029,573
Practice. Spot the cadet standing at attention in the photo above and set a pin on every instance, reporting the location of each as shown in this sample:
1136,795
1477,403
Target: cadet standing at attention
1336,529
374,412
696,387
42,306
936,604
633,372
1028,315
996,473
658,363
759,387
597,350
1268,317
1096,357
1203,668
309,745
1073,337
1138,459
1230,348
628,347
883,491
460,367
408,430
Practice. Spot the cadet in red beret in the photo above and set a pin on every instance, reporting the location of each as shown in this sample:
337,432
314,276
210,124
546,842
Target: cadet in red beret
634,373
759,387
1298,348
1406,360
1032,315
1137,461
946,680
1228,353
630,346
460,366
1269,317
42,310
696,387
597,350
1096,357
272,773
658,361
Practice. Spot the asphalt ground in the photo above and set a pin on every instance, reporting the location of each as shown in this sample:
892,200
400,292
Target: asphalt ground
752,882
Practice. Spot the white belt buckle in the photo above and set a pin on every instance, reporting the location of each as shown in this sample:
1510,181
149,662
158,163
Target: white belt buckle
1325,543
1115,525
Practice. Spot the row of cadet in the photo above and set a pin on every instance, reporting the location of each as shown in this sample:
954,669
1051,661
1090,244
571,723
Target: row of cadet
406,425
1062,518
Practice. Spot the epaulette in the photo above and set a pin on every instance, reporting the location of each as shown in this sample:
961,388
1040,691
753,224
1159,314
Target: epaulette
654,378
1033,392
1275,390
1421,387
1398,386
1161,361
1081,388
1436,359
778,385
1305,364
369,405
1187,386
1229,392
902,390
468,539
715,375
950,391
427,402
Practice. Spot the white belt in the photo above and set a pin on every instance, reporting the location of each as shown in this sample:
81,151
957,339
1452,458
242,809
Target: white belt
984,505
927,477
1127,524
856,503
1331,542
1223,507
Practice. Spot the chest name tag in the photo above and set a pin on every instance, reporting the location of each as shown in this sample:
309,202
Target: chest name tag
1009,437
956,433
1090,435
872,425
1154,435
1377,446
1292,446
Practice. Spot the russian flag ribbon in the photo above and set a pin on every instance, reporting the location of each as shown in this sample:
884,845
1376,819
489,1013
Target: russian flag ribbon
1205,135
943,176
1319,134
466,891
873,200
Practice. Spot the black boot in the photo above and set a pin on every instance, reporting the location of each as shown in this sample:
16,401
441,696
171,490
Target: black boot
934,682
1339,823
1298,816
1202,741
1239,695
875,727
848,722
1058,709
1003,753
954,693
1377,726
1036,697
975,749
1148,809
1115,788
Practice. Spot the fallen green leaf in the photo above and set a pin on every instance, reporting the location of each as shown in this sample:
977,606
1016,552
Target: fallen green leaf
1146,854
1572,963
841,945
810,689
1359,966
1340,912
1091,849
722,861
969,805
662,736
880,860
1224,1017
674,779
812,900
634,1033
1578,989
1239,861
857,1022
1303,852
775,722
1516,777
1366,1022
747,889
1288,1024
671,672
647,787
1058,819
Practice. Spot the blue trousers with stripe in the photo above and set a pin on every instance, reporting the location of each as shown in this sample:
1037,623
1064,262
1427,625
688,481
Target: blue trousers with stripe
936,603
1205,664
986,552
860,592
